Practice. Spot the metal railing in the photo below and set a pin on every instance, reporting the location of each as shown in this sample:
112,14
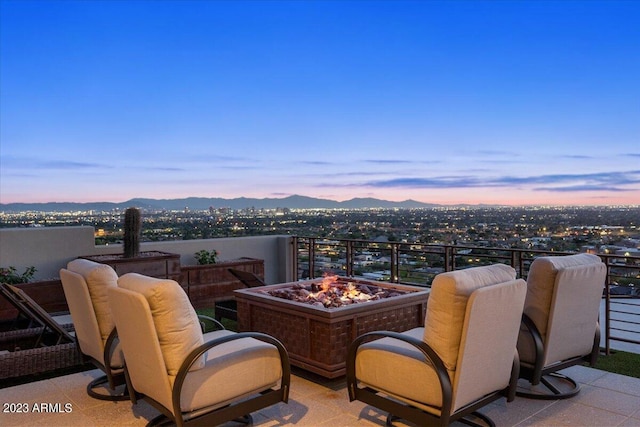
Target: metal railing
418,264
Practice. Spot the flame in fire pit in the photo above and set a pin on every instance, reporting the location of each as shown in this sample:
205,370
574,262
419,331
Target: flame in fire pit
333,291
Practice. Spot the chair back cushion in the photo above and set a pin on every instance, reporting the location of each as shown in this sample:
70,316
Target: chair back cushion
136,331
488,344
99,278
85,323
175,320
563,294
447,306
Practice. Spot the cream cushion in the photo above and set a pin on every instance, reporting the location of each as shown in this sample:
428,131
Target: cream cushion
175,320
234,369
487,337
541,282
447,304
563,300
401,370
99,278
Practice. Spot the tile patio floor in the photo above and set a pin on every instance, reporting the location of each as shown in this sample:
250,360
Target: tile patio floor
606,399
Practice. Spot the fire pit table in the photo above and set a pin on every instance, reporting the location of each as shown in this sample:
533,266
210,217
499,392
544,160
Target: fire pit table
316,323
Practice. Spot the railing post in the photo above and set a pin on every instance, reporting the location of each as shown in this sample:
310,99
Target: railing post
312,257
447,258
394,263
294,258
607,311
349,256
515,263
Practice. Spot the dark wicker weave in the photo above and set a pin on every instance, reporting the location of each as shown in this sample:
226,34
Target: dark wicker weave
20,338
39,360
35,350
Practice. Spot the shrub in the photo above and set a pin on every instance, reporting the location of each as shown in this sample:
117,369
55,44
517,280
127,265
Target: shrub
10,275
206,257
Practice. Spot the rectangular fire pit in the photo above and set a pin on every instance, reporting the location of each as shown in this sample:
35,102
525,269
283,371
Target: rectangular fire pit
317,338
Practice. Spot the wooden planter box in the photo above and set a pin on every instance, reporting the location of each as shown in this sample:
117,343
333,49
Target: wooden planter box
163,265
317,338
206,284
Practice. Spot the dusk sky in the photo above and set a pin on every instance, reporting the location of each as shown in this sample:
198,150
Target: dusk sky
496,102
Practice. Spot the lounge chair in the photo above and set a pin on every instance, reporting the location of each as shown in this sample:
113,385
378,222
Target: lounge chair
464,358
191,377
85,285
36,316
560,323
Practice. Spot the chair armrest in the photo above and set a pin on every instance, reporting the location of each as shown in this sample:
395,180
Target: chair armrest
217,326
109,346
427,351
595,350
199,351
538,347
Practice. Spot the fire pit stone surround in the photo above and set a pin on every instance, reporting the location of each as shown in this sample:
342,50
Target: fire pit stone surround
317,337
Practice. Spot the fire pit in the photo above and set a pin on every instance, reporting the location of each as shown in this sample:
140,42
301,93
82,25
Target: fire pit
316,324
334,291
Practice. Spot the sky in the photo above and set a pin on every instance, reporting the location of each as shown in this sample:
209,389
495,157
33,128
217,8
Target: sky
478,102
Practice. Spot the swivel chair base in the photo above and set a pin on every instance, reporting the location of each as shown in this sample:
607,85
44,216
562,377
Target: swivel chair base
488,422
162,421
553,386
103,382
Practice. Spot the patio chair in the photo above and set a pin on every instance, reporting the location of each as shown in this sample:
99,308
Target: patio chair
37,317
462,359
229,308
191,377
560,323
85,285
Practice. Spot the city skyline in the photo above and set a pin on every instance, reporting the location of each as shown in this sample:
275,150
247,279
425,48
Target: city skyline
446,102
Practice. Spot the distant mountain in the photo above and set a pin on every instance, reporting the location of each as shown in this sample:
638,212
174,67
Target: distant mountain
203,203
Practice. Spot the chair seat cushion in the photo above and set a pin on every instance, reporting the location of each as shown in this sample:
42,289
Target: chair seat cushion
99,278
237,368
175,320
400,370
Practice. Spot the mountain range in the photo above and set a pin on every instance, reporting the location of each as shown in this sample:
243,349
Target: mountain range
203,203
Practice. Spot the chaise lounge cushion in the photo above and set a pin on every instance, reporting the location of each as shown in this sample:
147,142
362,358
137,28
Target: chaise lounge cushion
448,302
173,315
99,278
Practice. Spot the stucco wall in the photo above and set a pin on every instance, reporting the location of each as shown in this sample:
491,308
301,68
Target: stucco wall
50,248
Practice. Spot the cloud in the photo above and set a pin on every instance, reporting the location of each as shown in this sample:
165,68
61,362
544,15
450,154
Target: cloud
602,181
578,157
67,165
437,182
399,162
579,188
32,162
317,163
162,168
